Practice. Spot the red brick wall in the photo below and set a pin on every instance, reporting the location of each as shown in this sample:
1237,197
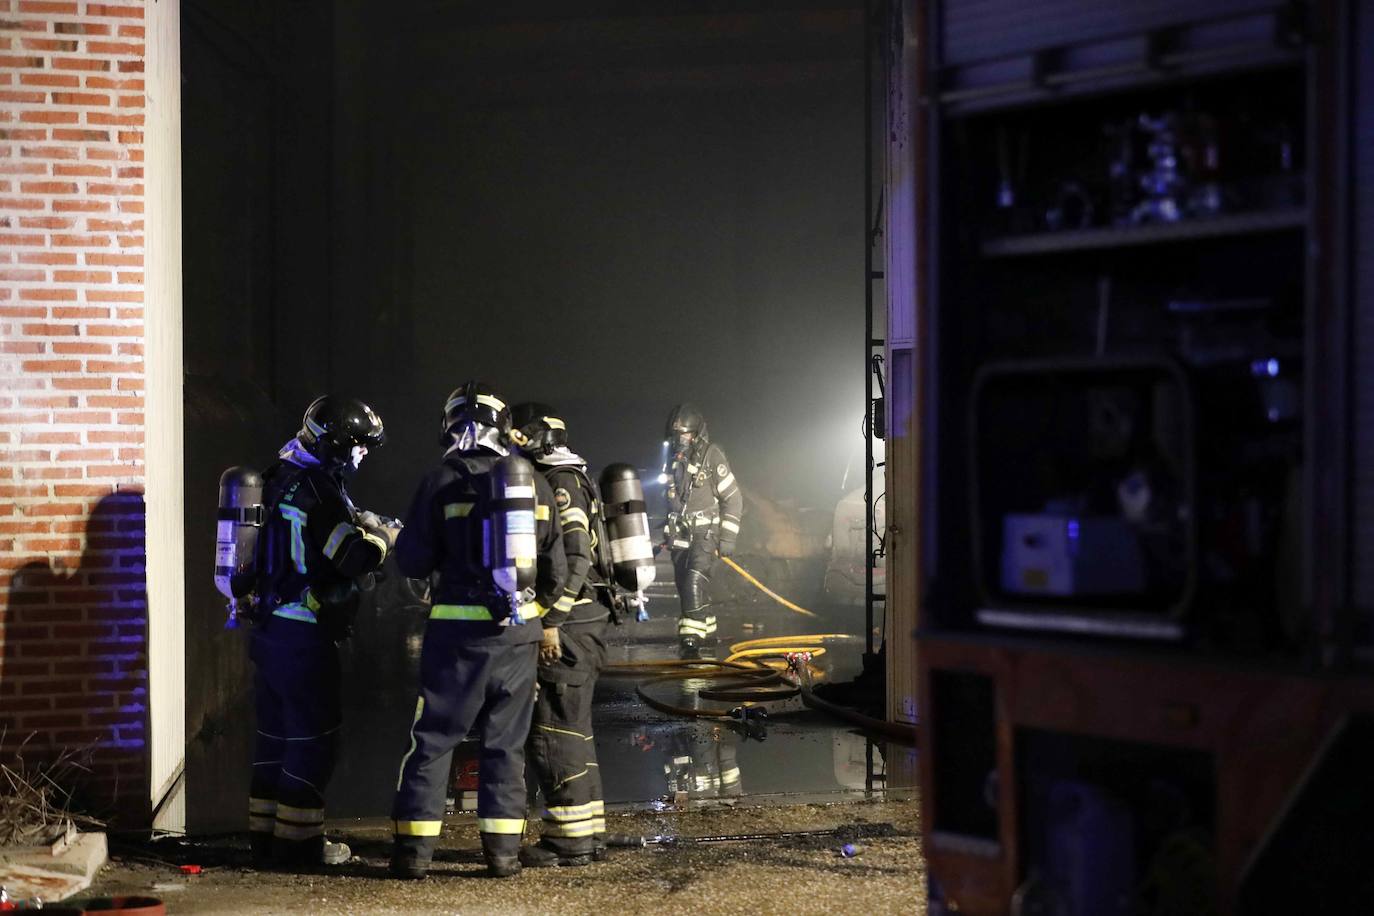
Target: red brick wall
73,618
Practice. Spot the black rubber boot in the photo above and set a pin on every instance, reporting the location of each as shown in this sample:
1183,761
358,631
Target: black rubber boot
503,866
260,851
688,648
409,862
540,856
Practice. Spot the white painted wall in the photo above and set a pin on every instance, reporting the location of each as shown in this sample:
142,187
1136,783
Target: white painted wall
163,447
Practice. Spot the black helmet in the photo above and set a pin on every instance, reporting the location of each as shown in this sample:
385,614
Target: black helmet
537,428
474,402
685,420
332,426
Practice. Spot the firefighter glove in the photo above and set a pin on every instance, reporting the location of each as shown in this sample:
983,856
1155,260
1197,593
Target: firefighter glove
550,649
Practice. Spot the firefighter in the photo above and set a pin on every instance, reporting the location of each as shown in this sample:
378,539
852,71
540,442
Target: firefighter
702,763
704,509
561,749
477,665
316,551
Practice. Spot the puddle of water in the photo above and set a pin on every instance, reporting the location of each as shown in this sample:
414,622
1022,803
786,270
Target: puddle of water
647,757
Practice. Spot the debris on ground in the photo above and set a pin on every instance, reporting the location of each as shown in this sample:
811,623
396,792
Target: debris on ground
745,859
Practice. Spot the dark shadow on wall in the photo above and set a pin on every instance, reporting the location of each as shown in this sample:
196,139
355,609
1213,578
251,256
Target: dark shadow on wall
74,660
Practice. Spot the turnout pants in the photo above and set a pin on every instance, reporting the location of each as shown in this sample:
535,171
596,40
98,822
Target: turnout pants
692,566
297,685
489,685
704,764
562,750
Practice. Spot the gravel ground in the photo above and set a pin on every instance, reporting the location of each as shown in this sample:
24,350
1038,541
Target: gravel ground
794,875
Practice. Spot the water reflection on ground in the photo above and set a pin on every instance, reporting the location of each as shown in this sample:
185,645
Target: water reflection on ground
646,757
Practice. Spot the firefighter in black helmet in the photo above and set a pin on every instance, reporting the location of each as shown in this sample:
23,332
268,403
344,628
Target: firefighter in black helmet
316,551
562,752
477,666
704,509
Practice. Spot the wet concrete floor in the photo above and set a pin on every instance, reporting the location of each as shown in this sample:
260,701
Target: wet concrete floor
647,757
665,776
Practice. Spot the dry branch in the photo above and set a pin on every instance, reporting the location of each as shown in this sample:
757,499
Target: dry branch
35,798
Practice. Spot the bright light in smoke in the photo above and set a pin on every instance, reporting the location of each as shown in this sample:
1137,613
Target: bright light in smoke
663,477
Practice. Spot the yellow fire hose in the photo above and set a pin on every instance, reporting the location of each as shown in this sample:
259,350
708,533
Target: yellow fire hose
766,590
758,667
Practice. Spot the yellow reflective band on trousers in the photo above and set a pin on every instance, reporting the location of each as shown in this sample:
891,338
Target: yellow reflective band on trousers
582,828
541,513
501,824
598,816
569,812
262,806
418,828
301,815
261,823
457,510
297,831
699,627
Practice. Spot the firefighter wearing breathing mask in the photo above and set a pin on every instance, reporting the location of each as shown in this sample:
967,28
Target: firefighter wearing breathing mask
561,748
483,520
704,510
315,551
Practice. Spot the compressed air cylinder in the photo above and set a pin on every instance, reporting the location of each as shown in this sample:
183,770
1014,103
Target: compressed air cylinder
236,536
627,527
511,545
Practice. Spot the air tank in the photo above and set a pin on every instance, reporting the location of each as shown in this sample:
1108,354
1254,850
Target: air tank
627,526
512,547
236,535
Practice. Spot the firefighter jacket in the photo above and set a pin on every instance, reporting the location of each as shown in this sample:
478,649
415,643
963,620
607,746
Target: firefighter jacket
444,533
313,548
703,495
579,516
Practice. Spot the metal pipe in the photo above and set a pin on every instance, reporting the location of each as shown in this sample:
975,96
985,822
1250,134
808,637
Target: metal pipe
869,515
